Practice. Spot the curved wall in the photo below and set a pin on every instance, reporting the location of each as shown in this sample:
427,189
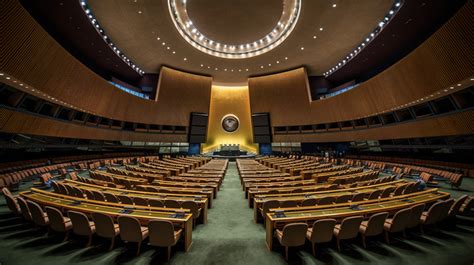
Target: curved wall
31,55
443,60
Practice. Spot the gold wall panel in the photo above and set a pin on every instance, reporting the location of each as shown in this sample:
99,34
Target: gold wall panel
229,100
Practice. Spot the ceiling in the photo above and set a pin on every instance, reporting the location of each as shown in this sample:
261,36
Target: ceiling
144,31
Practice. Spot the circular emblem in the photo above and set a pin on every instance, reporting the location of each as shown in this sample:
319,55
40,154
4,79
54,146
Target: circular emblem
230,123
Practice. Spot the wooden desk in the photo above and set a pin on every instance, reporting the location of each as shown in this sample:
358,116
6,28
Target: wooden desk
390,205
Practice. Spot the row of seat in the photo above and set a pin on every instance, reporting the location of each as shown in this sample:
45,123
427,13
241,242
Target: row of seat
295,234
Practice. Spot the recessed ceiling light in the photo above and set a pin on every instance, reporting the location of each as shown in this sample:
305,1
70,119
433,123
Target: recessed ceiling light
158,38
232,70
139,11
174,52
225,69
286,58
208,67
168,48
164,43
185,58
302,48
216,68
7,78
458,84
269,64
314,37
278,61
240,70
320,29
202,65
261,66
472,79
247,69
334,5
1,74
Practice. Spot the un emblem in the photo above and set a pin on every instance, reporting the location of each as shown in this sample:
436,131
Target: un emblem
230,123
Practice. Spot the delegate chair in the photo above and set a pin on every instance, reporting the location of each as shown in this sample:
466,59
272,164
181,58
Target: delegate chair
386,192
433,214
358,197
132,231
326,201
397,223
288,204
453,211
373,226
125,199
57,222
375,195
155,203
416,212
344,198
269,205
292,235
111,197
6,191
467,206
105,227
349,228
12,204
172,204
25,211
98,196
193,207
140,201
399,190
309,202
40,218
162,234
81,225
321,232
445,212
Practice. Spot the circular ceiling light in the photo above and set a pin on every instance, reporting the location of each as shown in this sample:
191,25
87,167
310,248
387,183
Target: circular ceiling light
185,27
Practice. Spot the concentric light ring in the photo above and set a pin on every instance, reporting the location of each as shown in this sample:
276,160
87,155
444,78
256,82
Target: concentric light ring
185,27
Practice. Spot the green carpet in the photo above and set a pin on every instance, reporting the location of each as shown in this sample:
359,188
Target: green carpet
231,237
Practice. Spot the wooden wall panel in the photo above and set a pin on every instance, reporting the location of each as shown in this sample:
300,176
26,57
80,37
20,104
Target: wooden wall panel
31,55
455,124
35,125
441,61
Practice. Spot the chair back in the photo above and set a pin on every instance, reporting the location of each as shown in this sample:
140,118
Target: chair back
111,197
161,233
130,229
400,220
350,227
104,225
309,202
56,219
124,199
155,203
140,201
375,194
467,206
453,211
358,197
344,198
192,206
434,213
12,204
55,186
25,211
80,223
98,196
6,191
288,204
375,224
322,230
269,205
386,192
445,211
172,204
37,214
416,212
294,234
70,190
62,189
326,201
398,190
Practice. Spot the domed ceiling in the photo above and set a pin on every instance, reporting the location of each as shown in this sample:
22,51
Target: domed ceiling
324,34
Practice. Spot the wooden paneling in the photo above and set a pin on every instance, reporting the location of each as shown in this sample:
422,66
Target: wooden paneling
31,55
35,125
443,60
454,124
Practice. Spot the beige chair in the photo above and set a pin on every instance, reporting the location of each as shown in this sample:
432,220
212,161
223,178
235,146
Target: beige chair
375,195
344,198
111,197
321,232
326,201
98,196
397,223
155,203
416,212
292,235
105,227
433,214
467,206
349,228
373,226
453,211
25,211
194,208
132,231
40,218
172,204
309,202
162,234
140,201
358,197
12,204
288,204
124,199
81,225
57,222
269,205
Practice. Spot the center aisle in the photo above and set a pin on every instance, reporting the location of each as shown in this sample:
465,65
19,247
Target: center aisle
231,236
